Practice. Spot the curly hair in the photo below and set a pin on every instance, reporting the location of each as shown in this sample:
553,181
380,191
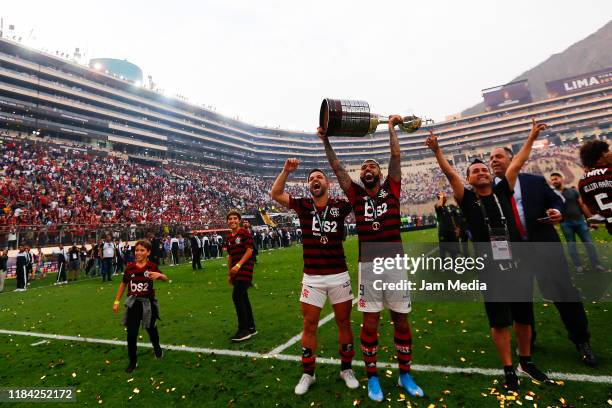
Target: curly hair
591,152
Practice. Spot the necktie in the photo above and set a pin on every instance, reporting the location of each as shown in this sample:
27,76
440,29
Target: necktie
517,219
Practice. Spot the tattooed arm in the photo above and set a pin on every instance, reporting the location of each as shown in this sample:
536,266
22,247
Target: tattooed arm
343,177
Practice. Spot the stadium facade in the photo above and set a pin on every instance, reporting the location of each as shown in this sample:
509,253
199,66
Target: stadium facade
50,97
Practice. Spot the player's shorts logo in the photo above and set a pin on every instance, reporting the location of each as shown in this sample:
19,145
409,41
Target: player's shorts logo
305,293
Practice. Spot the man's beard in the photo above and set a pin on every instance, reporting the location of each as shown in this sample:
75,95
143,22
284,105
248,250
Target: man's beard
373,182
320,191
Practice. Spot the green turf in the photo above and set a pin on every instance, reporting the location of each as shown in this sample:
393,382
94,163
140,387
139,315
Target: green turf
197,311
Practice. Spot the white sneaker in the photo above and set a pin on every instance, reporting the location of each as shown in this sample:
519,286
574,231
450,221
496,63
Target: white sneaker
349,378
305,382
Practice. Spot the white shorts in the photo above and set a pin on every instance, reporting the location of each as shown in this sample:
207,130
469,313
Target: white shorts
335,287
373,298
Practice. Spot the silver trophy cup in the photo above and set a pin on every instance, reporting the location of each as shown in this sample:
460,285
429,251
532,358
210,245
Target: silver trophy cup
341,117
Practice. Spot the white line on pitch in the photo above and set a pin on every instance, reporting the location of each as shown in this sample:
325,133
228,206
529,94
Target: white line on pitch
326,319
53,285
38,343
599,379
298,336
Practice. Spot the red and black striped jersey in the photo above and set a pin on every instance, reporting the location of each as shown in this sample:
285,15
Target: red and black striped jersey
322,244
237,245
378,218
137,279
595,188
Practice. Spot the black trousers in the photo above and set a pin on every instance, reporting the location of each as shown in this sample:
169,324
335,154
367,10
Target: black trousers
552,274
175,255
133,322
61,271
195,259
22,278
240,296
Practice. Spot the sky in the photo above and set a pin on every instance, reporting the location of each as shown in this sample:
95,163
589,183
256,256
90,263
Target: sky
271,62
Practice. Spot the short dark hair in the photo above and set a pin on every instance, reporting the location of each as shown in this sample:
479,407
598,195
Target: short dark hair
145,244
556,174
315,171
591,152
233,212
476,161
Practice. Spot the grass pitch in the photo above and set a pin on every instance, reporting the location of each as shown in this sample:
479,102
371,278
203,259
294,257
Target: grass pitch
197,311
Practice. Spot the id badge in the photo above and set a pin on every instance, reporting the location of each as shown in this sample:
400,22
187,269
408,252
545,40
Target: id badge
500,247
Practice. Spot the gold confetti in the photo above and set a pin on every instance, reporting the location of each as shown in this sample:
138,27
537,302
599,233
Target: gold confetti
483,394
562,401
355,403
428,347
107,362
610,402
429,322
136,391
528,397
99,401
446,392
73,375
560,383
43,377
462,359
130,380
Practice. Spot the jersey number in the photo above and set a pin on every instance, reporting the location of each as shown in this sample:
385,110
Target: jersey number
603,206
328,226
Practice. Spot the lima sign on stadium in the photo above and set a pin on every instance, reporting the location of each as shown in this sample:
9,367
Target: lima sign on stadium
591,80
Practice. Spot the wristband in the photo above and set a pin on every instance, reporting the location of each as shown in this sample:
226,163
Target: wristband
116,302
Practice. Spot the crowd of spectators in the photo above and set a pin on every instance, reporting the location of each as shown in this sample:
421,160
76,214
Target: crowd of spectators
51,185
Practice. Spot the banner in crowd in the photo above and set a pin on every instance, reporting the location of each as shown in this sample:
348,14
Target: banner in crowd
508,95
579,83
46,267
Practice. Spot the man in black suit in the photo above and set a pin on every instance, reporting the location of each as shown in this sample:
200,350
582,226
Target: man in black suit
196,251
537,208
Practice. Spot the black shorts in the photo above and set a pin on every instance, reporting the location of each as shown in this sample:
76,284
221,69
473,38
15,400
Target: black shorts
503,314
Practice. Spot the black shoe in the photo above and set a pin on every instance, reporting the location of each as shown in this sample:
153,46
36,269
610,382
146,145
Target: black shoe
533,372
131,367
241,335
252,331
587,355
159,353
511,381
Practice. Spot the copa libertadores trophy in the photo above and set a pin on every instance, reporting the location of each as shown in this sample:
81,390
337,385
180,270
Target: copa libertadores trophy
341,117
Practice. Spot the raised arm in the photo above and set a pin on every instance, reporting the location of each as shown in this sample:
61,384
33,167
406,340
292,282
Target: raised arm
278,193
521,157
395,167
451,174
341,174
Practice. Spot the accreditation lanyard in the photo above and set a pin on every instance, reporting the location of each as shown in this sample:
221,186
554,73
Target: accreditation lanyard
324,240
500,242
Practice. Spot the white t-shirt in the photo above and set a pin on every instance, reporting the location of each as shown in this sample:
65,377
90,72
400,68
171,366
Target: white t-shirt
108,250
